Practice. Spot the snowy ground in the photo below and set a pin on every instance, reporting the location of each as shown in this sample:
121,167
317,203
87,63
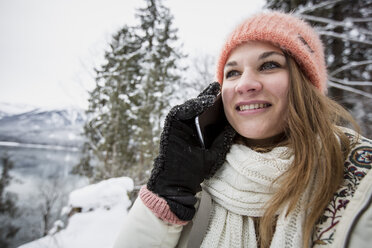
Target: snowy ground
103,208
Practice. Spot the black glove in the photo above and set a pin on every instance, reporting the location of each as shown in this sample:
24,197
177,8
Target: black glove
182,164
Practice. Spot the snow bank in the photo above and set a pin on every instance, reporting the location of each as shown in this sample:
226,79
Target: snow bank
102,208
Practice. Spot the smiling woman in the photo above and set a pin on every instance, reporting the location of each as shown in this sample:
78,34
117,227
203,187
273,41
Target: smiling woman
281,173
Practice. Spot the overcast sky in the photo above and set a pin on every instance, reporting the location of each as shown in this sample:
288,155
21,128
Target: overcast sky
49,47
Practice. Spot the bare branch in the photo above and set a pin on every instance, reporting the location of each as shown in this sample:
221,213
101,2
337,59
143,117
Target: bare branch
350,65
321,20
364,31
359,19
344,37
93,146
350,89
334,23
351,83
317,6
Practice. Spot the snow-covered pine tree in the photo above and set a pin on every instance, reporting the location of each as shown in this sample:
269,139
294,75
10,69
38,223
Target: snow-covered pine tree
160,67
112,111
132,94
345,27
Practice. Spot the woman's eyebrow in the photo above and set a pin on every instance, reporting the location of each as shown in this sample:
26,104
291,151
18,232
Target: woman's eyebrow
268,54
231,63
262,56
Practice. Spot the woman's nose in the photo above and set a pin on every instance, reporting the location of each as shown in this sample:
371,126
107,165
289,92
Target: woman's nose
248,82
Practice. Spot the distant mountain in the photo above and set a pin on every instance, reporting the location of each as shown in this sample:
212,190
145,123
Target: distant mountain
26,124
7,109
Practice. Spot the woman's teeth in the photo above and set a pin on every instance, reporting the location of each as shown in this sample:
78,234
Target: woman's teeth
253,106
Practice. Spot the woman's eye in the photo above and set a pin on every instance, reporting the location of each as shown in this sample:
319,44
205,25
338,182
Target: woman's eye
269,66
232,73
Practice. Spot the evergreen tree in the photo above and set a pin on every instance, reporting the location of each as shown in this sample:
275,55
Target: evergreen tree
344,27
112,108
159,67
132,93
8,209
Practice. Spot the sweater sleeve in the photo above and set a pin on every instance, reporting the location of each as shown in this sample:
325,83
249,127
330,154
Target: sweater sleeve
142,228
159,207
361,234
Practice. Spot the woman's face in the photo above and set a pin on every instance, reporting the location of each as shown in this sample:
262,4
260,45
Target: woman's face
255,89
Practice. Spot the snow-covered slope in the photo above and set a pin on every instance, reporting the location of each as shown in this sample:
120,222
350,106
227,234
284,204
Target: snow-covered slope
98,212
25,124
11,109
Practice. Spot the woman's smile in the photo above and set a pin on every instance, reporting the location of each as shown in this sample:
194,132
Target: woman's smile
250,107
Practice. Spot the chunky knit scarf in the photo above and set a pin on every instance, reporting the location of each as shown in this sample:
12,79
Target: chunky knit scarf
240,190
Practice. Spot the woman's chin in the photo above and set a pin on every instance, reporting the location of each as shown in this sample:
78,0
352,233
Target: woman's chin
264,140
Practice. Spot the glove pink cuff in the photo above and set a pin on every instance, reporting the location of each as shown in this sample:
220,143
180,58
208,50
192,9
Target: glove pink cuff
159,207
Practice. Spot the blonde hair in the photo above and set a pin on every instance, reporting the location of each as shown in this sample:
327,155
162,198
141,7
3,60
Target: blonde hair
318,145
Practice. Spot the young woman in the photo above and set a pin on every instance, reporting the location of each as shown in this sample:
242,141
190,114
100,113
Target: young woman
280,171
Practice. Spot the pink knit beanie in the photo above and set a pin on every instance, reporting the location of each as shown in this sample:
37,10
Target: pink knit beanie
290,34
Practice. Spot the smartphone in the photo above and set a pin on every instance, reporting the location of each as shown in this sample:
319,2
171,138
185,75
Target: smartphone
211,122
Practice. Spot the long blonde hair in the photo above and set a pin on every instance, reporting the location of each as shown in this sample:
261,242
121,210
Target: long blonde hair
318,145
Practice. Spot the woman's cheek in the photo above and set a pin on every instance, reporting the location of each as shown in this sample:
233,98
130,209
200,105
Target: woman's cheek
227,97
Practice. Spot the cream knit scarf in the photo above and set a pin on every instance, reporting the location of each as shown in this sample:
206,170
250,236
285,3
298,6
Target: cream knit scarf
240,190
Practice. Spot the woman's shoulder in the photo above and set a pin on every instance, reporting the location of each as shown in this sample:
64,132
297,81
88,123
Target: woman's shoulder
360,155
348,200
355,137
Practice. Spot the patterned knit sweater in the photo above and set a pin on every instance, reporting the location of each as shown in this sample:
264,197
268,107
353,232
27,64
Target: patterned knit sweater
357,165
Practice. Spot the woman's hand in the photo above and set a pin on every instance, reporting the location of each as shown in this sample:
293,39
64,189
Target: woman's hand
182,164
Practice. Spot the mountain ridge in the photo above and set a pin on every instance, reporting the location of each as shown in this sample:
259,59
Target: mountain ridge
44,126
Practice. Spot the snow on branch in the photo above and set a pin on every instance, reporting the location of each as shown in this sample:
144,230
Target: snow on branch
349,66
347,23
363,31
344,37
351,83
321,20
311,8
359,19
350,89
